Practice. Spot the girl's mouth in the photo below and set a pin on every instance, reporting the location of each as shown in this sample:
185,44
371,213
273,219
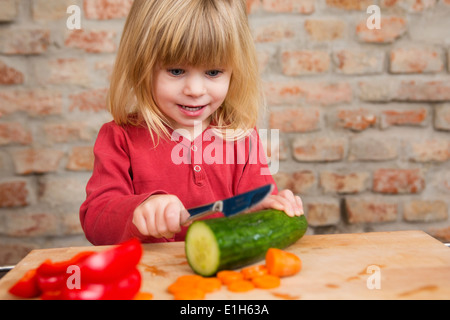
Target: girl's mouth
192,109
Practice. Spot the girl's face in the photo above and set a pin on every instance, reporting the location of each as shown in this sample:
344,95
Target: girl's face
189,95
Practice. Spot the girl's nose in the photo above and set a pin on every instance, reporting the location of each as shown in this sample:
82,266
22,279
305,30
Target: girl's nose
194,86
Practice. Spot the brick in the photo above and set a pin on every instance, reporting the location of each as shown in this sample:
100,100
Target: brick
318,149
49,10
263,59
34,102
24,41
409,117
62,190
63,71
442,234
425,211
91,100
294,6
29,161
8,10
442,117
354,182
325,30
363,148
300,182
92,41
408,5
13,133
295,119
411,90
293,92
358,62
253,6
70,224
320,214
10,75
391,29
68,132
303,182
349,4
25,224
448,60
106,9
370,210
376,90
416,60
437,150
357,120
398,181
12,253
14,193
273,32
81,159
304,62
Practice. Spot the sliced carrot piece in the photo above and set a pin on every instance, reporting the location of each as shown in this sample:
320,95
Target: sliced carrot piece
266,281
189,294
177,286
282,263
143,296
254,271
189,279
227,276
240,286
209,284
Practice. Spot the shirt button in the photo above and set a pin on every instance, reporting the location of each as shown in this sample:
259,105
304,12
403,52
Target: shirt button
194,148
197,168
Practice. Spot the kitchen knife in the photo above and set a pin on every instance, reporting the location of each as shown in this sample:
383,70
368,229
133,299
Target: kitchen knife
232,205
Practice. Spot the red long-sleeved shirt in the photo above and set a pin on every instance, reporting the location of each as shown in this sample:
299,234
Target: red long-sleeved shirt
129,168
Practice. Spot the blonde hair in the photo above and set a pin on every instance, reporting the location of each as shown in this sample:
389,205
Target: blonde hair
185,32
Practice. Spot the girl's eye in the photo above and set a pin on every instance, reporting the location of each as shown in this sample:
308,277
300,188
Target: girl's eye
213,73
176,72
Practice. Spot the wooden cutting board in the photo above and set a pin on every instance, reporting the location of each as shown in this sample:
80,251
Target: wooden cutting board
379,265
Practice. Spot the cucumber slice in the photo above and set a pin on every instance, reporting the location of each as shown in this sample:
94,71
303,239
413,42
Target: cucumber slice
202,249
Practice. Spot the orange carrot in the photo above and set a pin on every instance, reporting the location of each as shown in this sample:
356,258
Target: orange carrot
254,271
281,263
189,294
143,296
209,284
266,281
184,282
227,276
189,279
240,286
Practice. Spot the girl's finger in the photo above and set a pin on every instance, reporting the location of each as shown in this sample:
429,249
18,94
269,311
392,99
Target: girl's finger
140,224
299,205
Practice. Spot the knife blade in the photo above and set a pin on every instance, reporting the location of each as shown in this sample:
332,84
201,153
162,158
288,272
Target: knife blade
233,205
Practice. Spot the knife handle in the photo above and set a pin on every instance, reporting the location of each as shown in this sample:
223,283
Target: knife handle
198,212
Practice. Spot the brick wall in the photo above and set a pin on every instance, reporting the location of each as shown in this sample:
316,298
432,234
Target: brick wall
364,115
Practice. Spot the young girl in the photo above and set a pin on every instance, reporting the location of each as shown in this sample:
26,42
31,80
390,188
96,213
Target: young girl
184,96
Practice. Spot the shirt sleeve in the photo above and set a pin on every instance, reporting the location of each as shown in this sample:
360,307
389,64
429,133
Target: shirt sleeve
256,172
106,214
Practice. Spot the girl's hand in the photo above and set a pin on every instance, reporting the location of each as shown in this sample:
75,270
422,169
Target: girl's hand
285,200
160,216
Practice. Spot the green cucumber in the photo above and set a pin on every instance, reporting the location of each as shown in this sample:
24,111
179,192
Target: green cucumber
229,243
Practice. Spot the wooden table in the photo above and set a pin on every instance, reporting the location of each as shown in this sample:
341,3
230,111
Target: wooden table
379,265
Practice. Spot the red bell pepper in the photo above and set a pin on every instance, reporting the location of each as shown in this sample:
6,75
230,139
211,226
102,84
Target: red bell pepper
49,268
124,288
52,276
111,264
27,286
111,274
